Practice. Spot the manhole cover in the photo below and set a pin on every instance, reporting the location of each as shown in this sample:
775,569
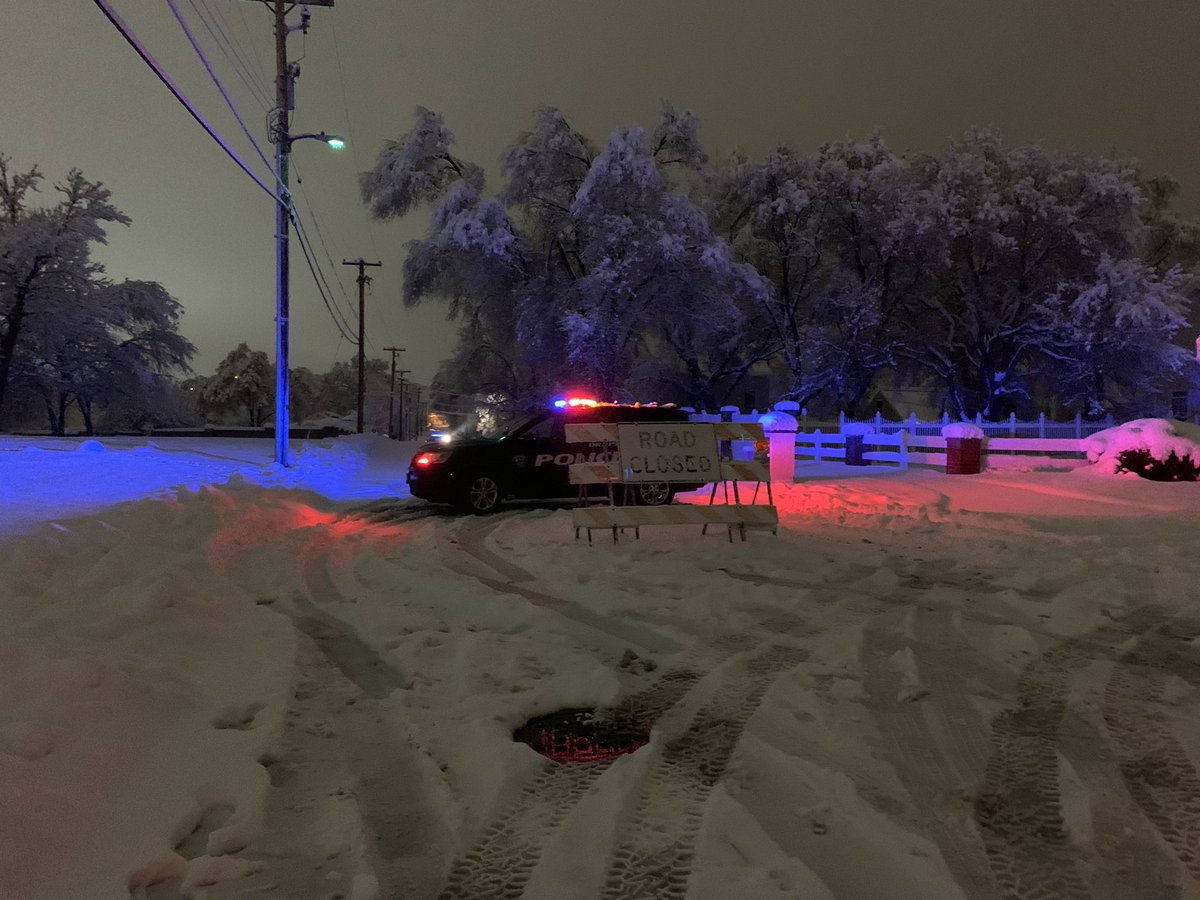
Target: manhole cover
580,735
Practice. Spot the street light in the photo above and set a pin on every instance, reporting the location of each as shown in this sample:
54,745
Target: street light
335,141
283,215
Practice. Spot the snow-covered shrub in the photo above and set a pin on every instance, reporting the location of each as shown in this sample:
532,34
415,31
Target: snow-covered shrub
1158,449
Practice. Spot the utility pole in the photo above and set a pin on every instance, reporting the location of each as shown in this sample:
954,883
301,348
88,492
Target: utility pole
362,331
418,411
403,424
392,390
285,78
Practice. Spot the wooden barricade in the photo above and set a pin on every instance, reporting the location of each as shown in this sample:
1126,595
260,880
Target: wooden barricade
619,517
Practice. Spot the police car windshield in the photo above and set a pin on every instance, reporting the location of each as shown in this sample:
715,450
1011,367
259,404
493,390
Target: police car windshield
522,425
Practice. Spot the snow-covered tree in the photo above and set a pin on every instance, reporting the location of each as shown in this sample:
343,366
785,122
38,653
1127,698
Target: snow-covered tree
45,264
568,273
116,344
885,252
416,169
774,218
244,384
1113,344
1021,222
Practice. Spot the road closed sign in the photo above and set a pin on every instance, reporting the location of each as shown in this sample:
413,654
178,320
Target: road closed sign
669,451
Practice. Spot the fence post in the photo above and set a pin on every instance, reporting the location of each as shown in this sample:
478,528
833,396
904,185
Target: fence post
945,418
912,422
878,419
903,449
1012,424
841,419
979,418
1078,426
817,445
1042,425
780,428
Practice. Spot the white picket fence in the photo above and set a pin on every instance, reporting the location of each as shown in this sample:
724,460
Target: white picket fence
913,442
1012,427
903,449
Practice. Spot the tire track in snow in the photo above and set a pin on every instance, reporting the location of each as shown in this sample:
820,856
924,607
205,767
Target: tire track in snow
399,820
1157,770
1019,808
501,864
1129,859
935,742
653,856
470,540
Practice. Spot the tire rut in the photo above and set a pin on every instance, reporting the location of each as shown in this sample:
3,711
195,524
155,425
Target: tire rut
1019,808
471,538
936,742
501,864
653,857
1156,767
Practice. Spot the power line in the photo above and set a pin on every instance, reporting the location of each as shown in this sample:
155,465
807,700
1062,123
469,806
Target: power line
149,60
324,298
322,281
220,87
321,237
228,44
337,53
253,59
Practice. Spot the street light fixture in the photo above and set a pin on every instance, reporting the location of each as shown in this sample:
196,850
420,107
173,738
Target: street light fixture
335,141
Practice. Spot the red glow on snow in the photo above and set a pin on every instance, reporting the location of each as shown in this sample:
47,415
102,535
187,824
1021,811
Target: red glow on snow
250,523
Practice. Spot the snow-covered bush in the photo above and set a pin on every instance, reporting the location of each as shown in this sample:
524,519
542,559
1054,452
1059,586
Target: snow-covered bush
1158,449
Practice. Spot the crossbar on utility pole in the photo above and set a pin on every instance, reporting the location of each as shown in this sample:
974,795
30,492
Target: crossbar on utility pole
392,390
362,331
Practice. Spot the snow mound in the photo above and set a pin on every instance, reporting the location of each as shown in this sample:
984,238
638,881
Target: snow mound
91,447
858,428
1158,437
962,430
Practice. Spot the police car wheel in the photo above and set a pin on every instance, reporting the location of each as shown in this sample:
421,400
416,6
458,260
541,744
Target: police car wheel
482,495
653,493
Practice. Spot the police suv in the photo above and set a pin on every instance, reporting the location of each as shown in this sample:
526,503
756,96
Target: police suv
532,460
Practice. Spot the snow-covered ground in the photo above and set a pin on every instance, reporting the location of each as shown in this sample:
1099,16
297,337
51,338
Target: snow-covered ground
223,680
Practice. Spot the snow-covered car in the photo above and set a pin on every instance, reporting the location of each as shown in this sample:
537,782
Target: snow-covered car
531,460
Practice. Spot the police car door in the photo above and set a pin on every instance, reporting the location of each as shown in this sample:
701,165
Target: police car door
542,469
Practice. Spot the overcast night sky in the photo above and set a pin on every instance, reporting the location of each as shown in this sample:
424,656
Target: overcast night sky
1095,76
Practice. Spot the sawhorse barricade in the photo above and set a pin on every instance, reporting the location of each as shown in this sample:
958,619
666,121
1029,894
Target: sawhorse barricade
732,515
608,469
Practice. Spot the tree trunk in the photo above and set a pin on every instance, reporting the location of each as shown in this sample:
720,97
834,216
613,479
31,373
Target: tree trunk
8,345
85,409
50,417
64,400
